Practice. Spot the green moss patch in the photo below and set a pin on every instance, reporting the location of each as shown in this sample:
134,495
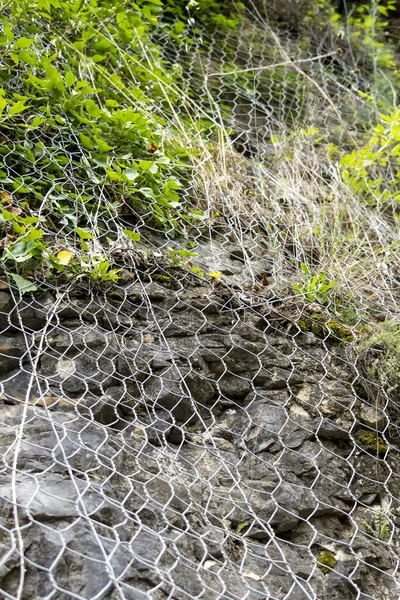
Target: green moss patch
326,562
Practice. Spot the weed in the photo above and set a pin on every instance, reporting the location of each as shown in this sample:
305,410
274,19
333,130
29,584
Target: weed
315,288
378,528
241,526
181,258
94,267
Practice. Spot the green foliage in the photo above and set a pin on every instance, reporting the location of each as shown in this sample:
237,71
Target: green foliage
373,171
379,527
84,139
181,258
225,14
92,138
24,285
177,257
367,25
326,562
380,352
315,288
365,29
94,267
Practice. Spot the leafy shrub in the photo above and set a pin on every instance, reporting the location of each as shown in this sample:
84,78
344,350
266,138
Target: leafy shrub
85,144
373,171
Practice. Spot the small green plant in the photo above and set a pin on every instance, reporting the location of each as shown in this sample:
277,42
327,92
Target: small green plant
326,561
378,360
350,314
241,526
177,257
95,267
315,288
181,258
379,527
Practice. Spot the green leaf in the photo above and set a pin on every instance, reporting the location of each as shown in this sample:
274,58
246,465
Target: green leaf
24,285
186,253
3,104
83,234
18,107
34,234
9,34
145,165
86,141
305,269
383,10
70,79
28,57
7,216
135,237
131,174
147,192
97,58
20,252
23,42
19,228
37,121
102,145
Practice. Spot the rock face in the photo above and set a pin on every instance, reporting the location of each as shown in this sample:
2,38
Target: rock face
178,444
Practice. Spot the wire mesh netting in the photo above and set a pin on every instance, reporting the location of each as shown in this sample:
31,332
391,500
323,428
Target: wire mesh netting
190,413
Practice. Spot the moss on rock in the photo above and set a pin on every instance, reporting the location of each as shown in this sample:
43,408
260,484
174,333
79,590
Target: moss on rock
323,328
372,443
339,331
326,561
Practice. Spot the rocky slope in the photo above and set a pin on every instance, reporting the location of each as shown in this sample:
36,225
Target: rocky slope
199,218
185,444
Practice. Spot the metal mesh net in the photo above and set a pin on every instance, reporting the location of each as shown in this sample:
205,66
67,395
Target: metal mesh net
218,436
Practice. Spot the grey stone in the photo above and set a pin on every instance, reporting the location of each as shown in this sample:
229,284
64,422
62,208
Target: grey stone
51,497
34,313
80,338
326,428
6,306
78,374
137,292
19,386
372,416
234,386
200,387
12,348
182,393
331,398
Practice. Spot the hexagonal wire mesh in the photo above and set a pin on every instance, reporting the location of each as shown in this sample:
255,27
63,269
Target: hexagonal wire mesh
172,438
